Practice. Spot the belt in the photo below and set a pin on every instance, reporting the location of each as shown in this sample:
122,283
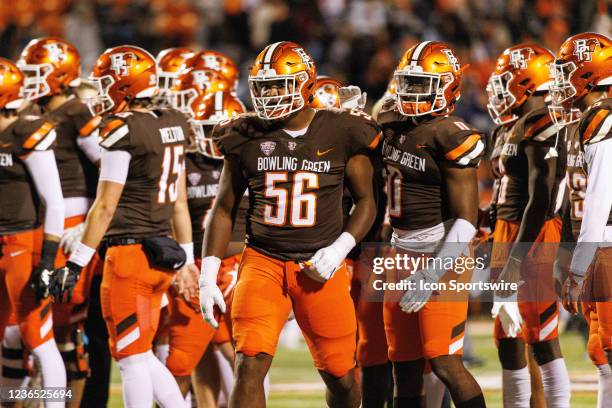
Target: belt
111,242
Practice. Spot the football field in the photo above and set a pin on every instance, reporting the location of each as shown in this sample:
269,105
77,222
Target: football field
295,382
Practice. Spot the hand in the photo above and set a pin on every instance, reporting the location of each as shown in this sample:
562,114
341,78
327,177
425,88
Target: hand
560,274
187,281
210,294
322,266
351,97
570,293
40,281
63,282
510,274
71,238
509,315
413,300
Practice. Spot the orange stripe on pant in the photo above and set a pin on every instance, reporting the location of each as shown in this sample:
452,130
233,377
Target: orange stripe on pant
65,314
131,294
540,310
20,252
266,291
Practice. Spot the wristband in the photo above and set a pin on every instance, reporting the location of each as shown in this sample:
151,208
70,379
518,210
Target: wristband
188,248
345,243
82,255
48,253
209,269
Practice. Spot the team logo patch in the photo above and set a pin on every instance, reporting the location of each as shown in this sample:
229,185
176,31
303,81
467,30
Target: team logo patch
267,147
519,58
582,50
402,139
291,145
194,178
121,62
216,174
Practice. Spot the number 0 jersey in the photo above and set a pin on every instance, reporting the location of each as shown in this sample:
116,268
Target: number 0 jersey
414,153
18,198
295,184
155,141
576,178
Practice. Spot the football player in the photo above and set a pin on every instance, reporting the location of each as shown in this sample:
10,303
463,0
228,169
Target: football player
527,212
189,335
141,199
28,178
432,189
52,72
170,65
582,74
294,160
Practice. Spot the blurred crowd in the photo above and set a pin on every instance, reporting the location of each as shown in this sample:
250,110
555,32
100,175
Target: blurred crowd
357,41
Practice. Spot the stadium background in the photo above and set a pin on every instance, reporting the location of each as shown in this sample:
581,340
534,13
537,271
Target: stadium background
355,41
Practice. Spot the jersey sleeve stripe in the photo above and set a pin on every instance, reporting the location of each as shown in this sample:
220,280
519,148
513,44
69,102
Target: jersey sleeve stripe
375,141
540,125
115,136
474,153
47,141
464,147
110,127
604,130
90,126
546,133
595,122
36,137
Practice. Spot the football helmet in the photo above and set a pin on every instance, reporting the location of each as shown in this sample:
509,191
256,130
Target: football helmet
521,71
427,79
326,93
120,75
217,62
170,65
193,83
50,66
282,80
210,109
584,61
11,83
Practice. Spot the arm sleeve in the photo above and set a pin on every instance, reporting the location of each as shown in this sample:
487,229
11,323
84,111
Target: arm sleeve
597,205
89,145
114,165
43,170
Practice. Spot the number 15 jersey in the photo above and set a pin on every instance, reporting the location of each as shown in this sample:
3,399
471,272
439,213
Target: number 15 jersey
155,141
295,184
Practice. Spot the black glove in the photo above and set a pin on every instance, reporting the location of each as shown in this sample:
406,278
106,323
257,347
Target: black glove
492,215
40,279
63,282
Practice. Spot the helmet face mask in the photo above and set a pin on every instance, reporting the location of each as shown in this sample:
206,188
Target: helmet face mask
183,99
562,92
286,100
100,102
35,83
501,98
420,93
205,145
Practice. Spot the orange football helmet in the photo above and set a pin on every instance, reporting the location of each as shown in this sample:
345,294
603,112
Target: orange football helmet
521,71
50,65
210,109
326,93
11,83
282,80
170,65
217,62
584,61
193,83
427,79
122,74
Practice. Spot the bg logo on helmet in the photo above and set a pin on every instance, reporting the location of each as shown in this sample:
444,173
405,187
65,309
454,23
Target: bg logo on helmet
582,50
519,58
452,59
119,63
56,54
305,57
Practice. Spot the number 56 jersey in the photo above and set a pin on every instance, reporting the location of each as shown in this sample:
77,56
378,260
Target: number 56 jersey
155,141
295,184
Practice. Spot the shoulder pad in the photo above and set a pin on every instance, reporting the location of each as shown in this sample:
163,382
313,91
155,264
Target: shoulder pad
39,135
596,124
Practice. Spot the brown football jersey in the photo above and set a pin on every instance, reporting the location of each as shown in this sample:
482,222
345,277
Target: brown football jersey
576,178
156,143
78,176
413,153
499,135
535,127
595,126
295,185
19,204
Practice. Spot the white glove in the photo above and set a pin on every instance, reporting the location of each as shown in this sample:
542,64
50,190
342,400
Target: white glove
71,238
325,262
413,300
351,97
509,315
210,294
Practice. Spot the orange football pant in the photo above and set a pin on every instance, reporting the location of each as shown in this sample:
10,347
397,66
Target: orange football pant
268,288
20,253
189,334
131,294
598,294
